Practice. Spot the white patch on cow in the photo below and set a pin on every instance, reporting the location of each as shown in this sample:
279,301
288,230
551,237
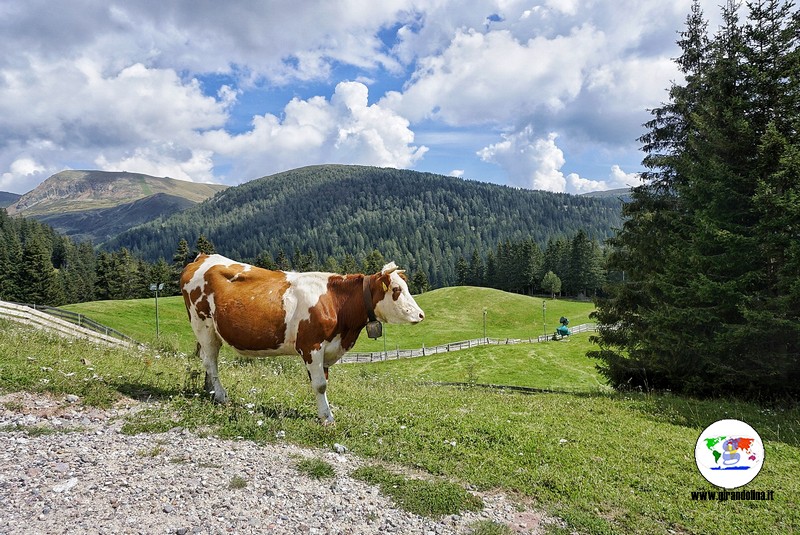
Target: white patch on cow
333,350
304,292
198,280
212,305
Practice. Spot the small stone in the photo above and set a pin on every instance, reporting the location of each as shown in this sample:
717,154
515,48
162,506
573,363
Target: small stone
168,508
339,448
62,468
66,485
72,398
182,531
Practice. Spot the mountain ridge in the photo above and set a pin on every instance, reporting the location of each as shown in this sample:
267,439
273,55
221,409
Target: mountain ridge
80,190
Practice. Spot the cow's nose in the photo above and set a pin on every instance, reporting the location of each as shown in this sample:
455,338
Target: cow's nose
421,316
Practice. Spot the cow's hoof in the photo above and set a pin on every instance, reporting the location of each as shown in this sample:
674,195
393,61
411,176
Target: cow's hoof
328,422
220,396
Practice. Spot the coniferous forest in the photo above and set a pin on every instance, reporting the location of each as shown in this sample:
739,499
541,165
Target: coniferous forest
340,214
710,248
40,266
345,219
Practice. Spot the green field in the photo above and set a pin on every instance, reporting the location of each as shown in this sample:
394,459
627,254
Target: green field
604,463
451,315
559,366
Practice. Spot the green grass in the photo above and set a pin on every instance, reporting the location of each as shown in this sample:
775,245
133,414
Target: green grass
237,482
456,313
315,468
418,496
137,319
602,462
559,365
487,527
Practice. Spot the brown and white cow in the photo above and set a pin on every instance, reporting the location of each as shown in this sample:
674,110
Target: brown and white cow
260,312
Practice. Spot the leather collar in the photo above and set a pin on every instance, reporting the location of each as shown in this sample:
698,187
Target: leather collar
368,299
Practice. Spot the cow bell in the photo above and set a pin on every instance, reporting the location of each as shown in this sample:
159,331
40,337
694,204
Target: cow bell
374,329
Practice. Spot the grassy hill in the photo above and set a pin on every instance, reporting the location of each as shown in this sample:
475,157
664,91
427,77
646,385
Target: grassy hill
101,224
603,463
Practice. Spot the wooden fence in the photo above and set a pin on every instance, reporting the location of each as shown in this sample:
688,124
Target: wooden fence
378,356
64,323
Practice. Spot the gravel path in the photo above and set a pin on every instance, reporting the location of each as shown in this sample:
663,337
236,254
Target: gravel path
98,480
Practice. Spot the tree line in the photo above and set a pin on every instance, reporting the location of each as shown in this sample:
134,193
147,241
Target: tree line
710,246
569,266
40,266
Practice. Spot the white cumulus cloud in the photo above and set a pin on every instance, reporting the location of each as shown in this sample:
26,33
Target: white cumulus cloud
344,129
536,163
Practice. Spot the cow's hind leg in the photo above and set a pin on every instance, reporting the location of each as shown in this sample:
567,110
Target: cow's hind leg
208,349
319,384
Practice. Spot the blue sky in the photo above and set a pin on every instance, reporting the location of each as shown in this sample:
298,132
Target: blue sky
540,94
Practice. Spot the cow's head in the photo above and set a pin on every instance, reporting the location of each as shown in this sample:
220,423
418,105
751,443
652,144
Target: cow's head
397,305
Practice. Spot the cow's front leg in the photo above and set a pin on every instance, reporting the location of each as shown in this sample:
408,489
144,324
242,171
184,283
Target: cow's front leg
319,384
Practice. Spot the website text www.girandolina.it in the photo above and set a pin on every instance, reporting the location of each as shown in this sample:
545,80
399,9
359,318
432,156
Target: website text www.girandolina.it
733,495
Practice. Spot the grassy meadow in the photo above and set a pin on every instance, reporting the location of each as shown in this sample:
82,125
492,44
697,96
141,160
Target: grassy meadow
452,314
603,462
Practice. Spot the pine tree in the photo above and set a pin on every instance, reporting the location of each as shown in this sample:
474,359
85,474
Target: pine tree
476,270
349,264
373,262
282,262
41,285
419,282
706,249
264,260
204,246
462,272
181,257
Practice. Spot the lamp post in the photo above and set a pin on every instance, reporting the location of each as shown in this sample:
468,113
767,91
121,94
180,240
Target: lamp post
156,288
486,340
544,317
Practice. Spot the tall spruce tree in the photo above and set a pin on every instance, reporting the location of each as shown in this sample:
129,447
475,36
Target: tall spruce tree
707,247
40,283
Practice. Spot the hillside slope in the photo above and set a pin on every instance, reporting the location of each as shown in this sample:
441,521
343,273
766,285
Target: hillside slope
103,224
7,198
75,191
420,220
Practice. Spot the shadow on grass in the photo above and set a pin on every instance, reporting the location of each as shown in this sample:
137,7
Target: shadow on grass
779,422
773,421
149,392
